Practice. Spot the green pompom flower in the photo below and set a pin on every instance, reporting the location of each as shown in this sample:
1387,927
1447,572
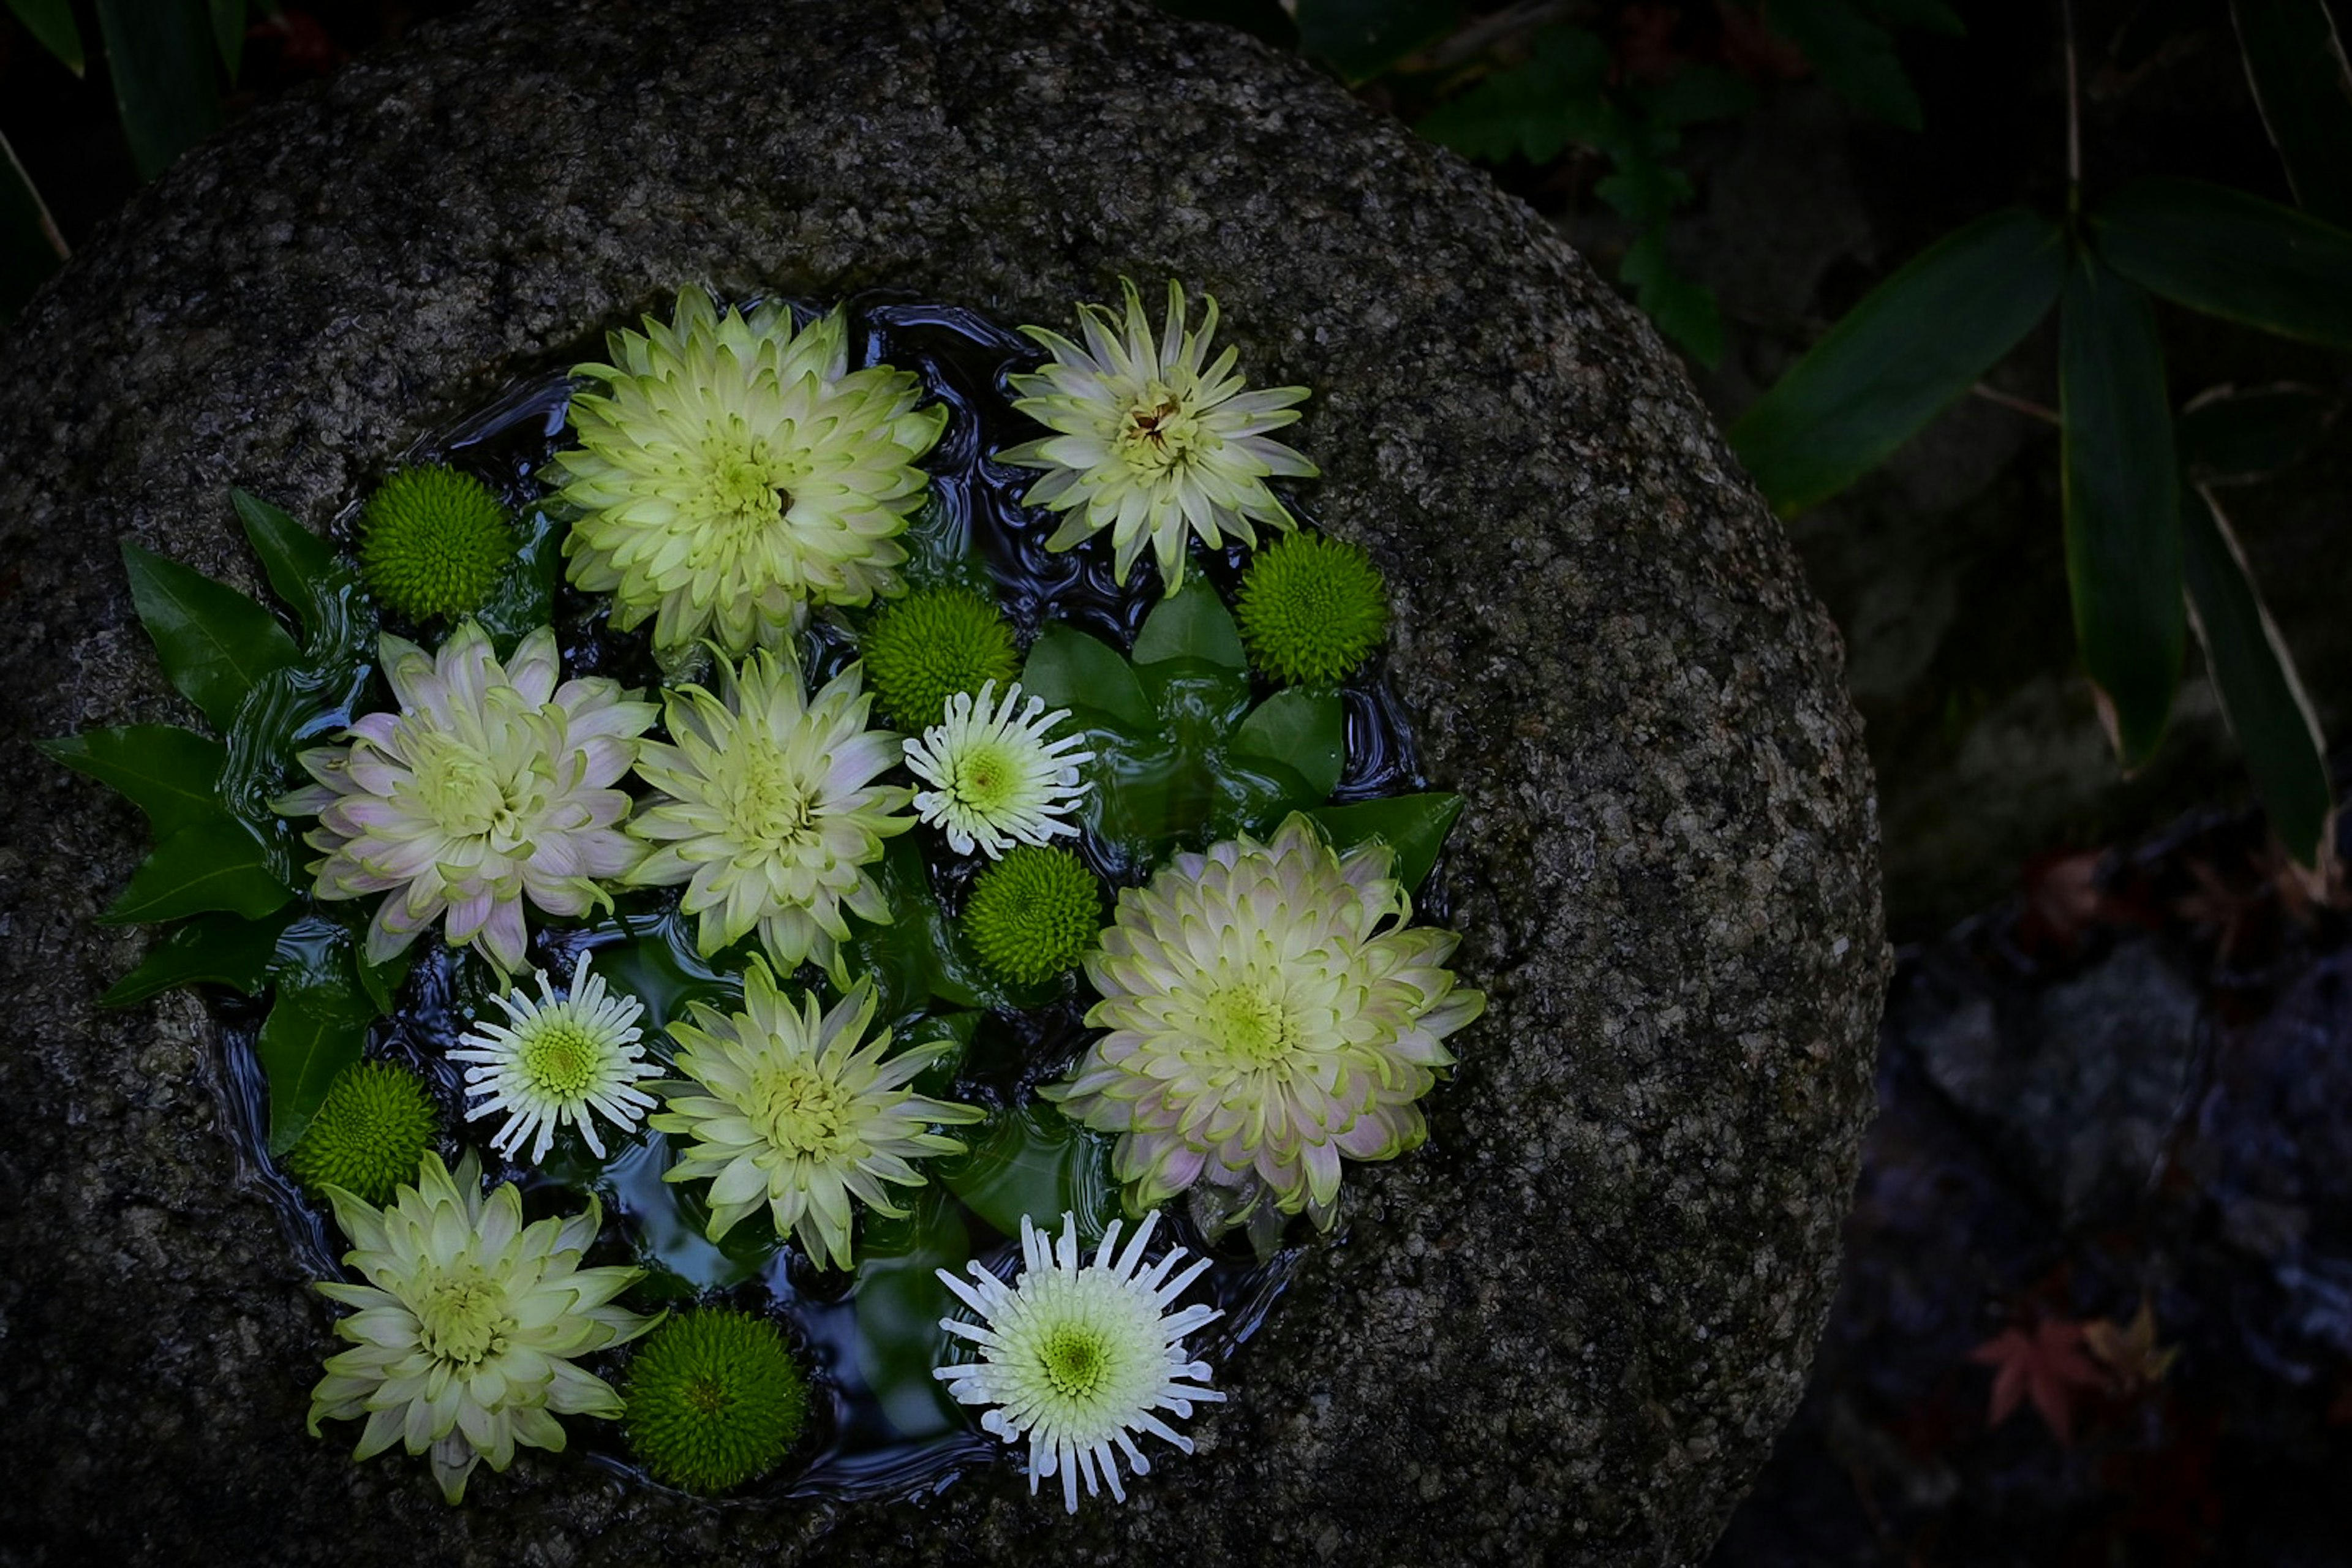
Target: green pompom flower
1311,609
1032,914
714,1398
434,541
931,645
369,1135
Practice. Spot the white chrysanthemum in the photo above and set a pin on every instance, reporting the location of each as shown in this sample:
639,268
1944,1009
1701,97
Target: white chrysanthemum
1151,440
554,1061
732,471
490,785
768,812
996,778
794,1111
1078,1360
464,1334
1268,1011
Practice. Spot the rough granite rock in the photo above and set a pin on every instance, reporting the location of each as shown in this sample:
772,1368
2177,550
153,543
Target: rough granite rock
1566,1331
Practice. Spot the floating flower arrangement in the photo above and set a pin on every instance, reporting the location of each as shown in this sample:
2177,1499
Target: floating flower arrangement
926,905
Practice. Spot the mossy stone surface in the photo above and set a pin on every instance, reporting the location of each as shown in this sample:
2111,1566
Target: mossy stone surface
1565,1330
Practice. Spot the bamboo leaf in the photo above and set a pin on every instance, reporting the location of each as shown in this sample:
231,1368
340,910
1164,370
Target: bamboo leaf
215,642
216,949
2232,255
31,249
1914,346
2230,436
2295,64
172,774
159,54
2122,502
51,23
205,867
2255,676
228,33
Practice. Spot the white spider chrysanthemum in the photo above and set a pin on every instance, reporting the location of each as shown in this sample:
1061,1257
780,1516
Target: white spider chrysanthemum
462,1337
554,1061
794,1111
768,812
996,778
1078,1360
1151,441
490,787
1268,1011
732,471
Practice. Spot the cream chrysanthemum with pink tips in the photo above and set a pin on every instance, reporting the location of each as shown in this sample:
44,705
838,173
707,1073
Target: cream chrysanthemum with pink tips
490,787
1078,1359
1268,1013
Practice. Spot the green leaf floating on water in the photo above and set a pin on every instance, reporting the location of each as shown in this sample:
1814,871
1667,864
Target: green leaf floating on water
1031,1160
657,964
1070,670
214,641
216,949
1302,731
213,865
1414,825
1191,623
172,774
900,1302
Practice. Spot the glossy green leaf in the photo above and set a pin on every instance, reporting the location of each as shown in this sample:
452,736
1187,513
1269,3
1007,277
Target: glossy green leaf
1032,1161
2295,62
303,569
216,949
160,54
1361,38
30,247
1413,826
172,774
2123,506
2232,255
310,1035
2255,678
2232,436
51,23
1854,55
1191,623
214,641
1303,730
1913,347
899,1302
228,34
1537,110
208,866
1070,670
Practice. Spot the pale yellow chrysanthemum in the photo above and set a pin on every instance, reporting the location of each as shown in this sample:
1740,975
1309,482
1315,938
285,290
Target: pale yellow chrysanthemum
462,1336
1151,440
1269,1012
793,1110
490,786
768,812
734,471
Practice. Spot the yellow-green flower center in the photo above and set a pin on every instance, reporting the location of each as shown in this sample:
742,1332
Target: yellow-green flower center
774,802
1249,1022
802,1113
462,1318
1159,431
1076,1360
561,1057
461,791
986,777
746,490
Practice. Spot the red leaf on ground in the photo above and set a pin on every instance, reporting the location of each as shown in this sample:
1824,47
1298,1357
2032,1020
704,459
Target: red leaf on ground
2046,1367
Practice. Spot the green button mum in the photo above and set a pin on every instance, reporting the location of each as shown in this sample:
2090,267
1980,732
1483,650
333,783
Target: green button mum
1032,914
1311,609
931,645
714,1398
434,541
369,1134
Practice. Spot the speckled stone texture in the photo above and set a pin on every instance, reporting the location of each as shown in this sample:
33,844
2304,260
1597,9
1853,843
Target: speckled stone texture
1564,1332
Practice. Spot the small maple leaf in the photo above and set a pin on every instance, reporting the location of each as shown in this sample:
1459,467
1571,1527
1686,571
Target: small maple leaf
2046,1367
2131,1355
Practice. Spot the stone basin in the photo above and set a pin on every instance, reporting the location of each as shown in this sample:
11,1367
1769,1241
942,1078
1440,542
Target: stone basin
1565,1330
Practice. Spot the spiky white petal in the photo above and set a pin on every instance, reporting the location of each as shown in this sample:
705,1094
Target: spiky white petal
768,810
1079,1359
792,1109
1267,1013
997,777
734,471
1151,440
462,1337
554,1061
491,785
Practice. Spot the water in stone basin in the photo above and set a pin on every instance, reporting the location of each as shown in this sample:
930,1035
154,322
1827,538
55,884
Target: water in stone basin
883,1425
